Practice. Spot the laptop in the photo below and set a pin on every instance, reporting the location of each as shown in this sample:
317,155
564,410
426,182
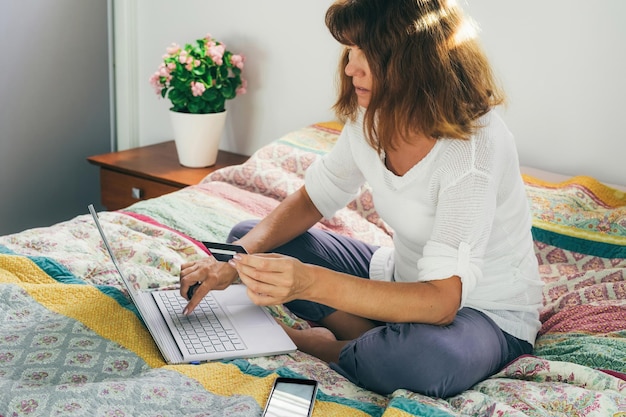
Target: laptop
225,325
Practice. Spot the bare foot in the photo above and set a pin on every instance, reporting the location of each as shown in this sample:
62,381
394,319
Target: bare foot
314,332
317,341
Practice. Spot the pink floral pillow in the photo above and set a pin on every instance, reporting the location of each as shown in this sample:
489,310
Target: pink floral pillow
277,170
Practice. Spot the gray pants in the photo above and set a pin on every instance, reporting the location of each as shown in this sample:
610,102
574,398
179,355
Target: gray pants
439,361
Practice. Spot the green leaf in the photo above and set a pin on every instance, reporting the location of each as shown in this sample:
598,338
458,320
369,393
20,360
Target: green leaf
180,78
199,71
228,91
210,94
175,94
194,108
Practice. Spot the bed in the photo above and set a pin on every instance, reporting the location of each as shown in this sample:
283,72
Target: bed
71,343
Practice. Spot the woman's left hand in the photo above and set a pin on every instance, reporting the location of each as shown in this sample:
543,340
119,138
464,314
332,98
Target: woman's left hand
273,279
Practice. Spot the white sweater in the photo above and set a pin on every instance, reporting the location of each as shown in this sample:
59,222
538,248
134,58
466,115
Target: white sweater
462,210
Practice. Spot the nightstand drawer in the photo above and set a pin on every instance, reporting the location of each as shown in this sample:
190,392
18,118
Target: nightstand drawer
149,171
121,190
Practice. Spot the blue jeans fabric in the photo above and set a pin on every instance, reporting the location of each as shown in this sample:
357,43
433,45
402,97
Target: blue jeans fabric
439,361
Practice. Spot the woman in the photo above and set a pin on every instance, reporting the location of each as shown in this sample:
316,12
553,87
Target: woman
458,295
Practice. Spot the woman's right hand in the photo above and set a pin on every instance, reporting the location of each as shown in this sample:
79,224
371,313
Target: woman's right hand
292,217
204,275
273,279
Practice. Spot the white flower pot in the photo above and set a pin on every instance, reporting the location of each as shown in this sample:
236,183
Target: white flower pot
197,137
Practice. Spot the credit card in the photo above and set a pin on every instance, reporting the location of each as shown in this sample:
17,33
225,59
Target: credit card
223,251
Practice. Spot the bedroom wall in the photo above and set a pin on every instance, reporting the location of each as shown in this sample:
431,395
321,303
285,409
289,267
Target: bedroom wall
290,65
561,62
54,109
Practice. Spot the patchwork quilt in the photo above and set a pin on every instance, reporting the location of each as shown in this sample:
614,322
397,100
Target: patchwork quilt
72,344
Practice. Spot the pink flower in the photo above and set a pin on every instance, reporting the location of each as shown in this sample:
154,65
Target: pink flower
163,71
189,63
197,89
155,81
182,58
237,61
243,88
216,52
173,49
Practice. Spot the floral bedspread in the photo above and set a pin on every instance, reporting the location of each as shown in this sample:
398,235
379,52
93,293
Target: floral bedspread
71,343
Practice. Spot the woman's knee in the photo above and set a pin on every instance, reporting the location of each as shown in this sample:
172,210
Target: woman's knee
420,358
430,374
240,230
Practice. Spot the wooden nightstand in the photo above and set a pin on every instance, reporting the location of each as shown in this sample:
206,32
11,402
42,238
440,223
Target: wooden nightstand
149,171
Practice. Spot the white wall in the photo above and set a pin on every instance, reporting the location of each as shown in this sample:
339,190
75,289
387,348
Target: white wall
561,62
290,64
54,109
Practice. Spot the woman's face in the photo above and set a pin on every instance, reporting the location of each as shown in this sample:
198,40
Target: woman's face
359,70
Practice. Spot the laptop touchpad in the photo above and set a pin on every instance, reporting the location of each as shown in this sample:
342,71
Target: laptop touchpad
247,315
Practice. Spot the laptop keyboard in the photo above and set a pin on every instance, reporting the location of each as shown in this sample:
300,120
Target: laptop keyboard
201,331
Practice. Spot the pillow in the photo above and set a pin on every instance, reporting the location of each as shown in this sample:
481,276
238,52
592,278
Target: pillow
580,215
277,170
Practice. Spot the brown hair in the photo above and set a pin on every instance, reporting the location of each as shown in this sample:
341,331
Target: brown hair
427,77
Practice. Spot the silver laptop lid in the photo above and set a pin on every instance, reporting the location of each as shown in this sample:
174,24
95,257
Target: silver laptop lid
129,287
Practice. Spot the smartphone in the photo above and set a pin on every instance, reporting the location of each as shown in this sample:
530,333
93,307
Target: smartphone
223,251
291,397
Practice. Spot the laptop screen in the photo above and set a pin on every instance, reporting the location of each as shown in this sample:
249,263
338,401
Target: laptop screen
129,287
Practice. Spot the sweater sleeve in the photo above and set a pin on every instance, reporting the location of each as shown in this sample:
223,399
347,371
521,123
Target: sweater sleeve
466,204
335,179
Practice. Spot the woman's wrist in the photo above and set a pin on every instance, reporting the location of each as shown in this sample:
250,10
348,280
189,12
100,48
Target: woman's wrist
228,275
315,288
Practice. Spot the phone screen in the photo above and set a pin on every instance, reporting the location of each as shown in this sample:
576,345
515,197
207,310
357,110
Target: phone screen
291,397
